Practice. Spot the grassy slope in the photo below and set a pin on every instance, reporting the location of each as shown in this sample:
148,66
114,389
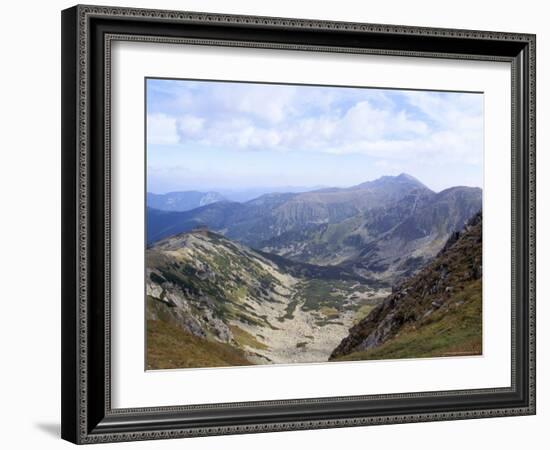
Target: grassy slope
456,332
169,347
244,338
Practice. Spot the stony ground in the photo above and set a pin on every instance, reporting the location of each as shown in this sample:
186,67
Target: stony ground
309,336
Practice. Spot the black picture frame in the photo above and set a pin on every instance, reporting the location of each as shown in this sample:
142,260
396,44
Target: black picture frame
87,416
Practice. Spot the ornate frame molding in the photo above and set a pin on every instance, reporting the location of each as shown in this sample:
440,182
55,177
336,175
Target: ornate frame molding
80,418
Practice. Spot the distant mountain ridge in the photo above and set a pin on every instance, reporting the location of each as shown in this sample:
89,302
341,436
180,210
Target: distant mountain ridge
247,194
386,228
182,201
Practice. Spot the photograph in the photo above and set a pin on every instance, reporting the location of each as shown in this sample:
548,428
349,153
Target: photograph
294,223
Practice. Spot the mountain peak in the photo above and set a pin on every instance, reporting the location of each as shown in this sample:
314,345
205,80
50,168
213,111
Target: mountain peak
406,176
401,179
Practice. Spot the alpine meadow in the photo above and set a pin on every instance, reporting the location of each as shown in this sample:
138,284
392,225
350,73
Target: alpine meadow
292,223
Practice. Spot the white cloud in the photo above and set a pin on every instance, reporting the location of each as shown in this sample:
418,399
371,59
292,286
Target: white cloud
162,129
265,102
190,126
395,125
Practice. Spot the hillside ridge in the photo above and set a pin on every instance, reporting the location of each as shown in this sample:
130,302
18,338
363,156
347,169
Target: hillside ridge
221,293
436,312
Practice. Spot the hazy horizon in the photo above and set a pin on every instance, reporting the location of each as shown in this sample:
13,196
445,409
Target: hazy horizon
287,189
216,136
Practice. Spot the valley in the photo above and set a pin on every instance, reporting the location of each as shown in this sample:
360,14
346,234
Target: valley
223,292
307,277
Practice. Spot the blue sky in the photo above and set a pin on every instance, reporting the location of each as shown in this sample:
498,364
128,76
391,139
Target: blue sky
221,135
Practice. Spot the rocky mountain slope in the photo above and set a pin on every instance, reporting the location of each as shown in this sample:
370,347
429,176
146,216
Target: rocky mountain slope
386,228
437,312
182,201
233,305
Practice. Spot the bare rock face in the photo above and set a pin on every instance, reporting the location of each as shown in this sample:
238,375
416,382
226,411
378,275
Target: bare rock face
169,304
415,299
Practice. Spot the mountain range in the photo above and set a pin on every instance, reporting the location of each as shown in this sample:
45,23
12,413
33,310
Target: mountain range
182,201
387,228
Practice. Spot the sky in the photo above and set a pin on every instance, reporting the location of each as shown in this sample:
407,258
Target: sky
210,135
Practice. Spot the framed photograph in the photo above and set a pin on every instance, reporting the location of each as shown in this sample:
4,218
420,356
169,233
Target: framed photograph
277,224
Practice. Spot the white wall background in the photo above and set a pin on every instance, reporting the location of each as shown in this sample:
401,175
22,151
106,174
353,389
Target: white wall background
30,225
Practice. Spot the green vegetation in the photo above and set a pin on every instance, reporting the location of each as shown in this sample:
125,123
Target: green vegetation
289,311
243,338
156,278
363,312
455,331
159,309
323,322
332,296
329,312
319,293
240,293
226,286
169,347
